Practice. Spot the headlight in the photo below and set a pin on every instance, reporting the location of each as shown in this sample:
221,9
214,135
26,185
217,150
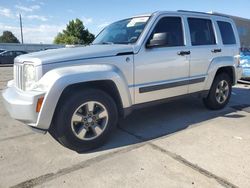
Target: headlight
29,77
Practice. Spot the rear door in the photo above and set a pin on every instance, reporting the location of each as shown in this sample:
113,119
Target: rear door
204,48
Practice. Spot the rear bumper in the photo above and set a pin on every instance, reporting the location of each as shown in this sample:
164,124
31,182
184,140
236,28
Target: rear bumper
22,105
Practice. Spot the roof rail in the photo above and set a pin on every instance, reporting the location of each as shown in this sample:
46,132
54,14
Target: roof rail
206,13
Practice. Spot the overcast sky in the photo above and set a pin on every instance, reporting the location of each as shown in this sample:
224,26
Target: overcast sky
43,19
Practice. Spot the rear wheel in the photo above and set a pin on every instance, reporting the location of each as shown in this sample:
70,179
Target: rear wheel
84,120
220,92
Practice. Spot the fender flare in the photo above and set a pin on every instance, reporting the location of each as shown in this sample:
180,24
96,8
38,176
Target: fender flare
215,65
55,81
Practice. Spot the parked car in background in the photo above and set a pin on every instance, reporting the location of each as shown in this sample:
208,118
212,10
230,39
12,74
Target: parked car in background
7,57
2,50
245,63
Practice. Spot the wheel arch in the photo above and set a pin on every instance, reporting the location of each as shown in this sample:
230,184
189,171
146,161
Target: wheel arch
62,80
228,70
219,65
108,86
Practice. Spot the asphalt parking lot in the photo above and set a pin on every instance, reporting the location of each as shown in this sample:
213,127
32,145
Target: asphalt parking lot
178,144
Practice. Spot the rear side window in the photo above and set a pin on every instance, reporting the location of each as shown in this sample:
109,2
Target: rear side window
201,31
172,26
18,53
227,33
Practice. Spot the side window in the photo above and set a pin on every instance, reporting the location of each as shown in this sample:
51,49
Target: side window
201,31
11,53
227,33
8,53
172,27
18,53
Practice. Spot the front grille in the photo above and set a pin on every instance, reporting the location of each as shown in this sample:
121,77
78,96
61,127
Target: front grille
18,75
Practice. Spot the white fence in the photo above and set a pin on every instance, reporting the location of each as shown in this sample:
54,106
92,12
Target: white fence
29,47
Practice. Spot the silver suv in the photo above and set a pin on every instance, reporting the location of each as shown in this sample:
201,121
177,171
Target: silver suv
78,94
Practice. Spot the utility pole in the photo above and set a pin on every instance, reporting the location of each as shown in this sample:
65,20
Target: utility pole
21,27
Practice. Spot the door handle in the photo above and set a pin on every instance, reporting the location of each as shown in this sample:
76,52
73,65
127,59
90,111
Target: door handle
216,50
182,53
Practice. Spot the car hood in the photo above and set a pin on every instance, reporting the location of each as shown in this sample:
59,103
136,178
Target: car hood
76,53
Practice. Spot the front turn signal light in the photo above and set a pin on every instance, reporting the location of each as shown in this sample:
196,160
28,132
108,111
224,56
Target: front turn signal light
39,104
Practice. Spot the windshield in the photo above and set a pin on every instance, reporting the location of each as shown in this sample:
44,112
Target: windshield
122,32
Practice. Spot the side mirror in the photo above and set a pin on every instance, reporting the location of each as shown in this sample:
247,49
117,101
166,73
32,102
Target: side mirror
158,40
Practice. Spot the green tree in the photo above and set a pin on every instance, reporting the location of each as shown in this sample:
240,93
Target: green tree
75,33
8,37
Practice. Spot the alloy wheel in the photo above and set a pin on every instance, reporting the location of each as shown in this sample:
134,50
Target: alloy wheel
222,91
89,120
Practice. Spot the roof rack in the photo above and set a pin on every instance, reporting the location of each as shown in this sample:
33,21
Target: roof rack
205,13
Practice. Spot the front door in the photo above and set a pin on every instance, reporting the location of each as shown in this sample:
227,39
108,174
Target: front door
163,71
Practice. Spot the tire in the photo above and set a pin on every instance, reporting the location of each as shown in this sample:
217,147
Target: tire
215,100
70,122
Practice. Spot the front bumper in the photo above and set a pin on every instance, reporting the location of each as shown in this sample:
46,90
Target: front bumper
22,105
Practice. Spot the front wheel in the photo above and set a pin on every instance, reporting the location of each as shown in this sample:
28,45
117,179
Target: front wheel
84,120
220,92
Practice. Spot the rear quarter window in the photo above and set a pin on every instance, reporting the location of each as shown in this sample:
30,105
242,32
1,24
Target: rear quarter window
227,33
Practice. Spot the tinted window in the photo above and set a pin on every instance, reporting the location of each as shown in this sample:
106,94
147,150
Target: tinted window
201,31
226,32
9,53
172,27
19,53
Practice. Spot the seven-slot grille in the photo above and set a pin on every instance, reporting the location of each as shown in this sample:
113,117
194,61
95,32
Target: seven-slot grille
18,78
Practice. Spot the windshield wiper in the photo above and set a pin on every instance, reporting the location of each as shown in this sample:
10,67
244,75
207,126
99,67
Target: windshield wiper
110,43
106,43
122,43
